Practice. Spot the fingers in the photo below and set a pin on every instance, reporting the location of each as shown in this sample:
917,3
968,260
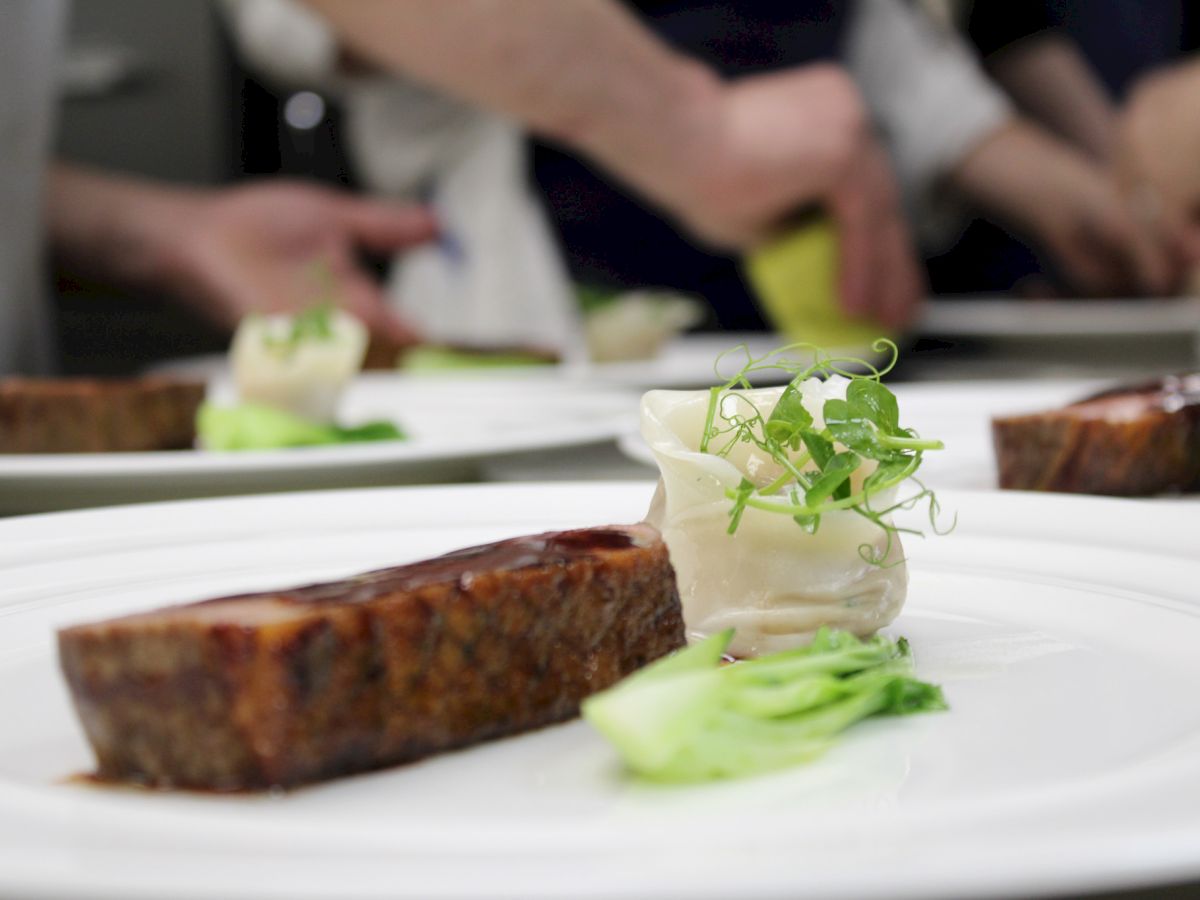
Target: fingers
1121,254
901,282
1090,269
362,296
1152,267
879,277
385,227
856,240
1188,244
900,285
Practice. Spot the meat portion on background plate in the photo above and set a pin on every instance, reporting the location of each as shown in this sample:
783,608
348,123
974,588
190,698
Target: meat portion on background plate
87,415
1130,441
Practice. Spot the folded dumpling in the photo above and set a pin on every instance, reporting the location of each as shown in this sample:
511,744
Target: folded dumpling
771,579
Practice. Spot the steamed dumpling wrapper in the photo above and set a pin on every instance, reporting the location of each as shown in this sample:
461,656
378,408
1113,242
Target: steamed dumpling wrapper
771,580
302,372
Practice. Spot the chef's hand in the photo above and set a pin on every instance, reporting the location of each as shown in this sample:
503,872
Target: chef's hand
274,245
1070,206
1158,145
285,245
774,144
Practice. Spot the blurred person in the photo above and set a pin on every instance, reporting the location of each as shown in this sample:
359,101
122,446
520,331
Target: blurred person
723,163
227,252
923,84
1158,154
497,277
1069,65
705,111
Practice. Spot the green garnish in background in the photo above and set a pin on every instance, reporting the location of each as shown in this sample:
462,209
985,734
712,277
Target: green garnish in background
312,324
254,427
593,297
817,474
444,359
689,718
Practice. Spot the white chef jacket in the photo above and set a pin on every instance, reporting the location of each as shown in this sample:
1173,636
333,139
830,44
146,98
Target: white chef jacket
31,33
497,276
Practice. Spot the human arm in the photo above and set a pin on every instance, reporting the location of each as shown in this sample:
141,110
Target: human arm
231,251
730,162
1053,84
1025,49
1158,149
958,141
1044,189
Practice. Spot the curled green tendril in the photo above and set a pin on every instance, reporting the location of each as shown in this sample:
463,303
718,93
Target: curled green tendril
861,434
315,323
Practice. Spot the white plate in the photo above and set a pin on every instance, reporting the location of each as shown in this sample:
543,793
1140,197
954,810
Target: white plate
1055,319
690,362
1064,631
453,426
685,362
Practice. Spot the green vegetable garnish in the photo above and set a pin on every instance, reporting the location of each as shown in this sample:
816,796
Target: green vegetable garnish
690,718
441,359
819,463
253,427
593,297
312,324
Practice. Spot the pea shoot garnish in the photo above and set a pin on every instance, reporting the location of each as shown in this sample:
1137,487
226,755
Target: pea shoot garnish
850,457
313,323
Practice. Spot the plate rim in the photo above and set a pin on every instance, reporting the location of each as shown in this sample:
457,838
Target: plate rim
61,526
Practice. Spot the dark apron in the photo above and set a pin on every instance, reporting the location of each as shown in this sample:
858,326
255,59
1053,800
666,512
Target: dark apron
608,236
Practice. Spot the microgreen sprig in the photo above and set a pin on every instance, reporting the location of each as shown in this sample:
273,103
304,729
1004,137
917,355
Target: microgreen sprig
818,464
314,323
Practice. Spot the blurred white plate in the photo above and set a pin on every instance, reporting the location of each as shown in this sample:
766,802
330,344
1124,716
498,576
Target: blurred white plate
1052,319
1063,630
690,362
453,426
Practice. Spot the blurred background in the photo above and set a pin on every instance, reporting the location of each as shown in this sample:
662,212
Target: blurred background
203,93
158,90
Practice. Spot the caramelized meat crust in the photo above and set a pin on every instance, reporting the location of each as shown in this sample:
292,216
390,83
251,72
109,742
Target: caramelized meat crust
79,415
285,687
1133,441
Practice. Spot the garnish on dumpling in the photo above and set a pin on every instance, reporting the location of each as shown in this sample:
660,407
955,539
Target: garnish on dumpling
776,503
298,363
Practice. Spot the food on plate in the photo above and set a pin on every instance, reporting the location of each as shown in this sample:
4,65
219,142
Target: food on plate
776,503
635,324
298,363
290,373
449,358
285,687
689,718
83,415
389,355
253,427
1128,441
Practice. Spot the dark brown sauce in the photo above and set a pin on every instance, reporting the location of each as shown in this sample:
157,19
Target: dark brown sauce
97,780
460,566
